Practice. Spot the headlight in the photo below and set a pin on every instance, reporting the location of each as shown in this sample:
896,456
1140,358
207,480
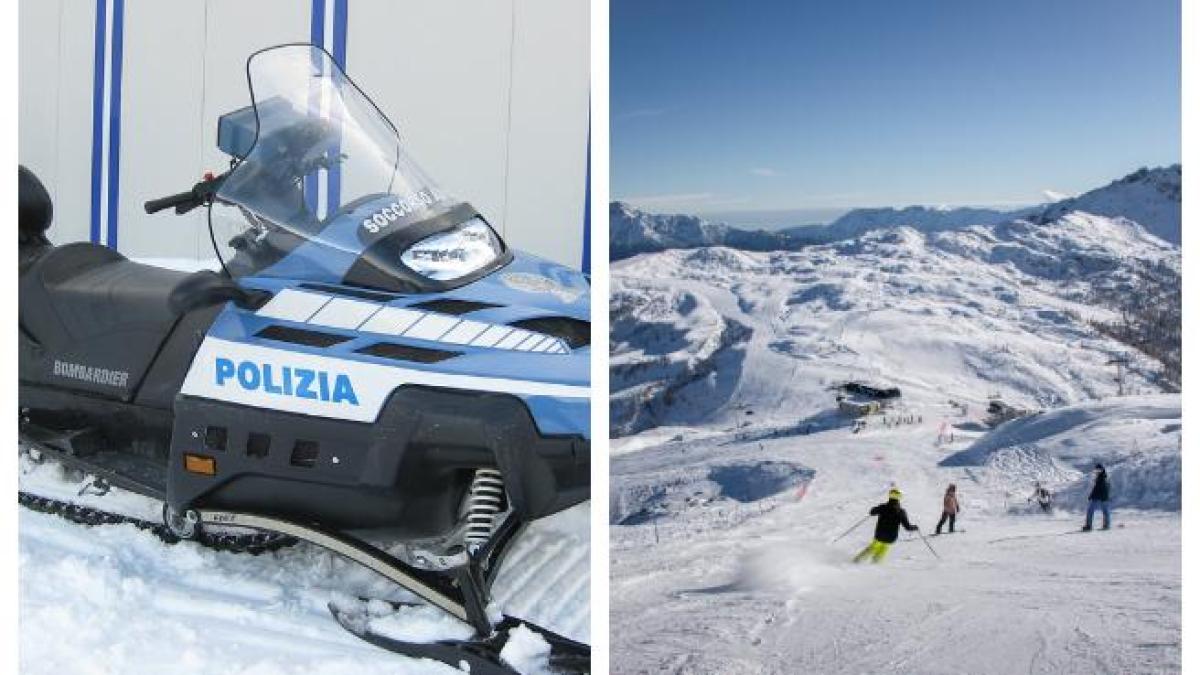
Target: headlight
450,255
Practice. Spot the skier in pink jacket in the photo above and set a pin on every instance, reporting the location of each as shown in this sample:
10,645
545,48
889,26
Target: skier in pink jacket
950,508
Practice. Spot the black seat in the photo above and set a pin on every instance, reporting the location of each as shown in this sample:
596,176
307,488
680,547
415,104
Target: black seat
86,304
83,304
95,290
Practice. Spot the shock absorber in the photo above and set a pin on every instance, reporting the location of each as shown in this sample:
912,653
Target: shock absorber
483,505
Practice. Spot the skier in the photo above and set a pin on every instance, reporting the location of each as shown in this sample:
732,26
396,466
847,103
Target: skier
950,509
1098,497
1042,496
887,527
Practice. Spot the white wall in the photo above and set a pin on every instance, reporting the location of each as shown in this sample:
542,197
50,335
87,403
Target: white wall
490,96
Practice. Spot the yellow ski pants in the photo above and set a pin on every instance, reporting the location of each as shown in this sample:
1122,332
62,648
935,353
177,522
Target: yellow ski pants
876,549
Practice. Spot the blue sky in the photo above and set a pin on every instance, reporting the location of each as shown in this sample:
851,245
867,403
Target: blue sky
815,106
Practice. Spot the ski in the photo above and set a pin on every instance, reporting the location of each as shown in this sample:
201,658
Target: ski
481,655
460,598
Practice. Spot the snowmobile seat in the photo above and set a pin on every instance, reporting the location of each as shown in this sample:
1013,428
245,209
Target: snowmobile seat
87,304
92,290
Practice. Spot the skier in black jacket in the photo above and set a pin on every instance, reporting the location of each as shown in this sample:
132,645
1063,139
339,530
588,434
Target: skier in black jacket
1098,497
887,528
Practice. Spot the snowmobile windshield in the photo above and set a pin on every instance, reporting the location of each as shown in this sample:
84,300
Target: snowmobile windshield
326,191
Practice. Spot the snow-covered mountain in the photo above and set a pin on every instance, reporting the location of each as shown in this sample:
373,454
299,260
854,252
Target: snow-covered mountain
1150,197
1003,309
921,218
632,232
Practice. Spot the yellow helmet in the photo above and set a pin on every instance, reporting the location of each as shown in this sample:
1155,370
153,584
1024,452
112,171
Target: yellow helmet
894,493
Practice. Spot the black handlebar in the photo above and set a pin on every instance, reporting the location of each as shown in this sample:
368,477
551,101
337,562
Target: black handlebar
201,193
156,205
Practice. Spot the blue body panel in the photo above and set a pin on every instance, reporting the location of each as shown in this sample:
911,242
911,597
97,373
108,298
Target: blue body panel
528,287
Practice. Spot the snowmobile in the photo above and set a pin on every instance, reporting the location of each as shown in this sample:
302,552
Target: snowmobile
371,359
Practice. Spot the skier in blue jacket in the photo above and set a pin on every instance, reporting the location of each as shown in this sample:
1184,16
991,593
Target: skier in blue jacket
1098,497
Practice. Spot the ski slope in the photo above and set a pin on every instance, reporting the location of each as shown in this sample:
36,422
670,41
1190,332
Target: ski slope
733,472
115,599
717,585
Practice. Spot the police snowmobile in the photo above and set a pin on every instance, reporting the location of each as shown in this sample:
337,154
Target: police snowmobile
371,359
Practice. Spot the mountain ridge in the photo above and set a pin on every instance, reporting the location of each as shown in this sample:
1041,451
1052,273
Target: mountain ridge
1152,198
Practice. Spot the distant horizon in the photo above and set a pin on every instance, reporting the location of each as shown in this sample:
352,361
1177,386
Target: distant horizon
773,219
781,219
821,108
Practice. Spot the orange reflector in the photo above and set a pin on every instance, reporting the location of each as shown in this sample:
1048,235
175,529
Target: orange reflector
200,464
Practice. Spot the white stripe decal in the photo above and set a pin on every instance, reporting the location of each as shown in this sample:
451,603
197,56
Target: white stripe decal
514,338
254,375
290,305
391,321
351,314
491,336
431,327
464,332
344,313
532,343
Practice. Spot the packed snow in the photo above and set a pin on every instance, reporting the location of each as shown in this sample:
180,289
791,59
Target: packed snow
758,587
116,599
734,473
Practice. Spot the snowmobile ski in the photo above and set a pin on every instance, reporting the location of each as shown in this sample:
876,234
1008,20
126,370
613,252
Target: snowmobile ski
480,655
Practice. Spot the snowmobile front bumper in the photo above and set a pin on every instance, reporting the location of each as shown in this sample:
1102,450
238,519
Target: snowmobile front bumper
407,472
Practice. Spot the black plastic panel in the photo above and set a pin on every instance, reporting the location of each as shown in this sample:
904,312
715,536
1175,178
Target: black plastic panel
574,332
301,336
391,350
453,306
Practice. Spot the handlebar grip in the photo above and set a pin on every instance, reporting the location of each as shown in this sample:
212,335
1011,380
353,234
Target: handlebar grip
177,200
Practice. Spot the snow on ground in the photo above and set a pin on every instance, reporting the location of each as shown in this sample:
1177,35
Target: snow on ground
115,599
722,586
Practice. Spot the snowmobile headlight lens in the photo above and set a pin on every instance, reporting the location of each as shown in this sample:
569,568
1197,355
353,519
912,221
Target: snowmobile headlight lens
453,254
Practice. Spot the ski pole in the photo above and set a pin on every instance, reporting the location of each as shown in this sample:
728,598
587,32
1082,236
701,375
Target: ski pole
922,535
852,528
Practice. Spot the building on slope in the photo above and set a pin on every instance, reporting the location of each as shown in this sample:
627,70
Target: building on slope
859,399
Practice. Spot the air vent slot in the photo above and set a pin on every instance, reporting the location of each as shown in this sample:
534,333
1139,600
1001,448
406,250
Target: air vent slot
258,445
574,332
304,453
390,350
350,292
452,306
300,336
215,438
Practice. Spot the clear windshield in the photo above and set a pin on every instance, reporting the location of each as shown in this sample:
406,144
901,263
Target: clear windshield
324,187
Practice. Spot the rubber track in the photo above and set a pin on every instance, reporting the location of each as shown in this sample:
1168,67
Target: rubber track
254,544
